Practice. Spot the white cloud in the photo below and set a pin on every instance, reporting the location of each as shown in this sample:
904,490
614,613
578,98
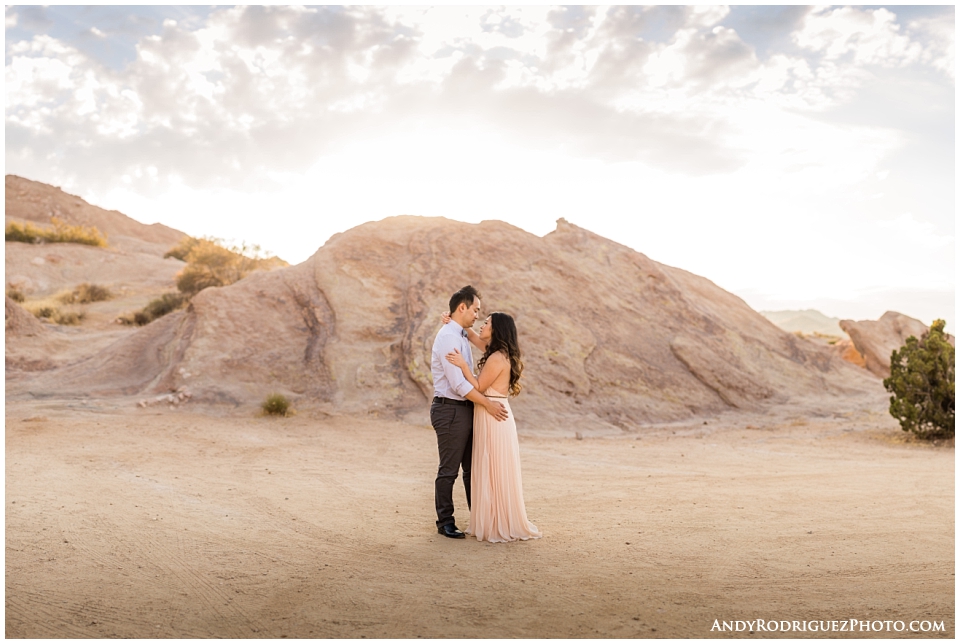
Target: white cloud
657,126
940,37
870,37
258,89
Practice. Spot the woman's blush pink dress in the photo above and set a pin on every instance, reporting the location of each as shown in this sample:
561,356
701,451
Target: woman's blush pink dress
497,512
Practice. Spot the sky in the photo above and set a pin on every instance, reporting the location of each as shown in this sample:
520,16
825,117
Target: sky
799,157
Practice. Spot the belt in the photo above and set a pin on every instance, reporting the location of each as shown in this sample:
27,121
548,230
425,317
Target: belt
450,401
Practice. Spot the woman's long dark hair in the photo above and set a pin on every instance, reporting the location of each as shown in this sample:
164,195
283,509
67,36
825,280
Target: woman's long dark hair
503,337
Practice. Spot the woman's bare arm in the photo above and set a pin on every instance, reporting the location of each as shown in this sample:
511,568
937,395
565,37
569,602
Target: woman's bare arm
475,340
493,368
455,358
472,335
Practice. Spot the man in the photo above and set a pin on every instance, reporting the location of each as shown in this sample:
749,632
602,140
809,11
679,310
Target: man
451,413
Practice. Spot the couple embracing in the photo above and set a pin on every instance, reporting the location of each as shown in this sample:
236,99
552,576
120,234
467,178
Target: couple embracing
474,426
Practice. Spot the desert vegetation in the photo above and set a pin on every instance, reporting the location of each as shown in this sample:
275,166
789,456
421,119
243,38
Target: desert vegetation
922,374
157,308
276,405
15,294
210,262
59,233
50,308
85,293
46,311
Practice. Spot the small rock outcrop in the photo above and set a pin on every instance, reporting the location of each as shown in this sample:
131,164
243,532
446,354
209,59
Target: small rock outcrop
875,340
20,322
847,351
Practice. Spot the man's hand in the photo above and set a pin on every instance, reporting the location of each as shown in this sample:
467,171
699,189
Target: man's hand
497,410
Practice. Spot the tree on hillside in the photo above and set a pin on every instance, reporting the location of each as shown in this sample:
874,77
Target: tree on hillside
922,383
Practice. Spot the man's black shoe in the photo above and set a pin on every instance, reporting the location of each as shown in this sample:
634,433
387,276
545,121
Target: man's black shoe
450,530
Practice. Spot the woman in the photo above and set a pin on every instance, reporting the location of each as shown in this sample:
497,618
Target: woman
497,513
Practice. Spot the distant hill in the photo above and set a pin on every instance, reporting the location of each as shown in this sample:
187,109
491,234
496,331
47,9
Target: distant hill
36,202
808,321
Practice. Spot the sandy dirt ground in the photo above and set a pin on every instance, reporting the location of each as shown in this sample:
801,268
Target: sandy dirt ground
125,522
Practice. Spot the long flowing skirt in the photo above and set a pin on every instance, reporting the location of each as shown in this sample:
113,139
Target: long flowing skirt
497,512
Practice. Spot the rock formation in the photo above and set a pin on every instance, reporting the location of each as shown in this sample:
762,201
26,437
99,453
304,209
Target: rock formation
847,351
875,340
607,333
20,322
132,267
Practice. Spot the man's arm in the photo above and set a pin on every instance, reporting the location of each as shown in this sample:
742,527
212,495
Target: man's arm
494,408
455,377
448,343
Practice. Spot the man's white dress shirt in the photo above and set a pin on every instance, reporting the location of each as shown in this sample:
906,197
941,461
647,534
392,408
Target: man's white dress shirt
448,380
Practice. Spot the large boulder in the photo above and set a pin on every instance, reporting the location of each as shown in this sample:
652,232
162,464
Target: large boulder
875,340
606,332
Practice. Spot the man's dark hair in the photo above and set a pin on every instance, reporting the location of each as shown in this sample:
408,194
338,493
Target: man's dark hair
465,295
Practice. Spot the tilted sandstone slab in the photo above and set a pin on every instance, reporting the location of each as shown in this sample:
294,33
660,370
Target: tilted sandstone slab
606,332
876,340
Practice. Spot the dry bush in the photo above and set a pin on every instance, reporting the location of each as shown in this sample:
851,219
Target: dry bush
46,311
42,311
211,263
16,294
85,293
68,317
26,233
276,405
166,303
60,233
182,249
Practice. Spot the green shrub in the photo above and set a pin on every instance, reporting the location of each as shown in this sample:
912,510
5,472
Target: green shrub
16,294
166,303
276,405
86,293
922,383
60,233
